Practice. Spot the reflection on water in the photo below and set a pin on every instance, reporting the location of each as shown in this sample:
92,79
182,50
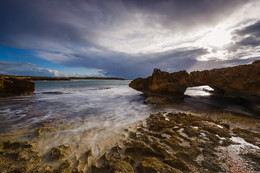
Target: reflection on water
92,113
199,91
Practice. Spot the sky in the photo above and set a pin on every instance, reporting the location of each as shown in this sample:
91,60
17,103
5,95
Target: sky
126,38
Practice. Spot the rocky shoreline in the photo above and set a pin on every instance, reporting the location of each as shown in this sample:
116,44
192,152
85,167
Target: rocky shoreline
240,82
164,142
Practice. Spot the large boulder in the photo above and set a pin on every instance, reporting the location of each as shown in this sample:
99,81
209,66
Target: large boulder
239,81
11,86
162,83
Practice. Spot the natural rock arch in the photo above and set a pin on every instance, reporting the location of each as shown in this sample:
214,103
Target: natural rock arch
238,81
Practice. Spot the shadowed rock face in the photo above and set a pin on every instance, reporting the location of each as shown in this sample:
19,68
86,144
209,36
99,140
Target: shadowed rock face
162,83
10,86
235,81
243,79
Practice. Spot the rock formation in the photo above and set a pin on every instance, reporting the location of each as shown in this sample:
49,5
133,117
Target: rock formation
61,151
178,142
164,142
239,81
10,86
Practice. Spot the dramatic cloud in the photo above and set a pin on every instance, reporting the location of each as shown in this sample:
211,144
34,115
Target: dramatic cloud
248,36
128,38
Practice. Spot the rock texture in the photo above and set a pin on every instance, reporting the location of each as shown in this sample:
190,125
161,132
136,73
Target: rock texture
61,151
10,86
178,142
243,79
164,142
238,81
17,156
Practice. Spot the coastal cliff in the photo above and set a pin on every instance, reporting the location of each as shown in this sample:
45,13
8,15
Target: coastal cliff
239,81
10,86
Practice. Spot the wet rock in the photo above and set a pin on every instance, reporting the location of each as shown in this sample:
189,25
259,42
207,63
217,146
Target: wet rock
21,157
138,149
65,167
169,142
177,163
172,142
16,145
255,158
130,160
212,164
122,167
222,132
153,165
39,131
88,155
249,136
61,151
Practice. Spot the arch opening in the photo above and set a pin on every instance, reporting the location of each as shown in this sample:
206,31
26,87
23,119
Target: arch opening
203,90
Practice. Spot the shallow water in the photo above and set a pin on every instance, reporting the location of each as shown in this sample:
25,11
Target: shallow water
84,113
73,101
91,113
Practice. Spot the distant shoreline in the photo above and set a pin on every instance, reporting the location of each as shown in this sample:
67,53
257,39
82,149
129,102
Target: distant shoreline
36,78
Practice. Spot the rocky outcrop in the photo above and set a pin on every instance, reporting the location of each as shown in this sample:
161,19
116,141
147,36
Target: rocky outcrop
61,151
10,86
21,156
178,142
238,81
162,83
243,79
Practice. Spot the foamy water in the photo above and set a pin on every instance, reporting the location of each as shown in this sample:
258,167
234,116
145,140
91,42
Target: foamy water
85,113
74,101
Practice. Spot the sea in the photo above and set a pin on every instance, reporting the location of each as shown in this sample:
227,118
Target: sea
93,114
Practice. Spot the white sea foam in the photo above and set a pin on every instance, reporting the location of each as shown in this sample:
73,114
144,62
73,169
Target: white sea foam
85,114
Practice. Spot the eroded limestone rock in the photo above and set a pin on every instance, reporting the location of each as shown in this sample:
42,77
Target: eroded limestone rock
17,156
176,142
61,151
153,165
240,81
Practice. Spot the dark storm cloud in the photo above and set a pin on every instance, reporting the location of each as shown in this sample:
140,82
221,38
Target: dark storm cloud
247,37
183,13
32,22
211,64
130,67
90,33
77,21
